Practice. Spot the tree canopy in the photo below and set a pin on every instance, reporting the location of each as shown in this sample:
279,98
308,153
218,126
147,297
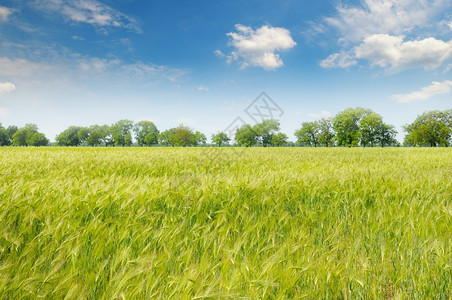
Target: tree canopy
28,136
121,133
259,134
308,134
146,133
432,128
220,138
182,136
346,124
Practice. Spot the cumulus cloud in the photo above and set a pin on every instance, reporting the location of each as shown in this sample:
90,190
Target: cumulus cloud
4,13
392,51
436,88
89,11
375,30
6,87
259,47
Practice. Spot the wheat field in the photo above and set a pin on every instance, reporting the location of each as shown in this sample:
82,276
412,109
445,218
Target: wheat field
228,223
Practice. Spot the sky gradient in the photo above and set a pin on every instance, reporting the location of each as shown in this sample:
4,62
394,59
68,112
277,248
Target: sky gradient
202,63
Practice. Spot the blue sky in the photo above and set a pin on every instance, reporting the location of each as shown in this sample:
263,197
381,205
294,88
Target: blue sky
201,63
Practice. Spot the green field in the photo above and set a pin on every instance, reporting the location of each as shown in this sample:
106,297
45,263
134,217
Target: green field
191,223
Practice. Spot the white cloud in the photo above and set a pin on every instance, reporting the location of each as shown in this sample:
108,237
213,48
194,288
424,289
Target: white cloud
114,69
6,87
218,53
392,51
77,38
338,60
322,114
436,88
355,23
375,30
89,11
97,64
148,72
203,88
75,67
259,47
4,13
23,68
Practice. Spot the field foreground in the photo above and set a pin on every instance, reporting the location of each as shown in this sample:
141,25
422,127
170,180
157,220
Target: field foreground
225,223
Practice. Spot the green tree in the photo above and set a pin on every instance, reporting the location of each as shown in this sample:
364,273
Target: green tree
369,128
326,132
431,128
4,136
146,133
128,139
37,139
433,133
12,129
20,137
83,134
246,136
105,134
166,137
386,134
198,138
308,134
183,136
69,137
29,136
94,137
265,131
448,117
346,124
279,139
121,132
220,138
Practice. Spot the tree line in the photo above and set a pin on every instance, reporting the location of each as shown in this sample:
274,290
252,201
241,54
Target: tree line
25,136
122,132
350,127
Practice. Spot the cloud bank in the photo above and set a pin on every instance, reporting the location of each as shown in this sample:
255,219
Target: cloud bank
392,51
